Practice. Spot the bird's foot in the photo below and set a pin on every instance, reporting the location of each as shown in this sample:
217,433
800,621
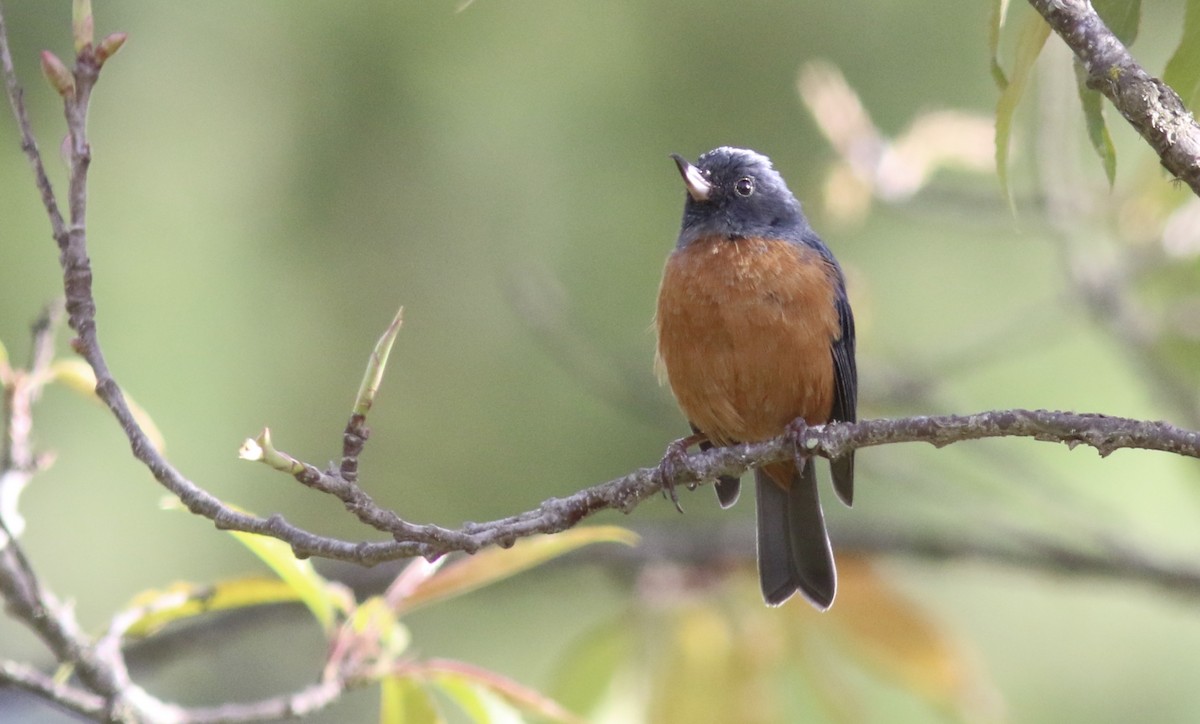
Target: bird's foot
673,464
797,434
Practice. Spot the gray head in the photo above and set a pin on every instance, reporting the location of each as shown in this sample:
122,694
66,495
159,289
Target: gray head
737,193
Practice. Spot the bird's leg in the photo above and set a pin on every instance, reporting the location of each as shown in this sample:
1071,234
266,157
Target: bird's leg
673,463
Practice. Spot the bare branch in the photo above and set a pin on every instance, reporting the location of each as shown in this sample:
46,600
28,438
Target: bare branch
29,679
56,626
16,100
1152,107
21,389
288,706
1105,434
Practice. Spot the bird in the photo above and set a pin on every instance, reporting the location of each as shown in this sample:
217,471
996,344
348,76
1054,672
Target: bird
755,337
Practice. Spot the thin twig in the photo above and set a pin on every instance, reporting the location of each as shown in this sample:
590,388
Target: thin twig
29,146
27,678
308,700
1105,434
55,624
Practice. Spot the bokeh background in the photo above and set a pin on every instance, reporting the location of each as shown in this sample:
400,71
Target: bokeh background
271,180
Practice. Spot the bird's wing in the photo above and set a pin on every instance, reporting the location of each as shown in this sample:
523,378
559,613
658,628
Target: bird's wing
845,397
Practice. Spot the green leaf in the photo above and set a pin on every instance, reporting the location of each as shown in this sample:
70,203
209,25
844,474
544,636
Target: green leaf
1093,111
995,25
586,671
1121,16
152,610
489,697
478,704
373,377
404,700
1183,69
1034,32
494,564
320,596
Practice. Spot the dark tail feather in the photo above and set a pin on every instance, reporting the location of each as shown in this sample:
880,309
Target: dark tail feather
843,477
793,547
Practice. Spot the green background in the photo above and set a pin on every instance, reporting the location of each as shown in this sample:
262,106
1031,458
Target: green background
272,179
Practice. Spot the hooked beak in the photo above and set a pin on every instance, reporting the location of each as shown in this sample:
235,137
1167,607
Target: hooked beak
698,187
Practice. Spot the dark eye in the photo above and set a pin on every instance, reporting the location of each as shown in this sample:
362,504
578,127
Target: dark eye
744,186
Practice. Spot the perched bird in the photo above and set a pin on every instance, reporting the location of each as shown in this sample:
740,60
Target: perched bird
755,331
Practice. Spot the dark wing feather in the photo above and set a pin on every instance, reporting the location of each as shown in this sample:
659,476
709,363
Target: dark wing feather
845,398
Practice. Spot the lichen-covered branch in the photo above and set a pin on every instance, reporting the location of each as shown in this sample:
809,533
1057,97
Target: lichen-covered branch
1152,107
1101,432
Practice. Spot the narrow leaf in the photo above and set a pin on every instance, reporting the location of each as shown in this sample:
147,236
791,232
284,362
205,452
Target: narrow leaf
311,588
152,610
1033,36
476,703
404,700
1093,111
1183,69
586,671
377,363
995,25
494,564
495,698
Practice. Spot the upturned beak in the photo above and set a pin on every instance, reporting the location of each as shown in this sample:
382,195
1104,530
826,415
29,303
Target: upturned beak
698,187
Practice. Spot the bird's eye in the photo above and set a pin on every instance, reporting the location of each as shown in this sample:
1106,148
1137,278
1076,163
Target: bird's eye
744,186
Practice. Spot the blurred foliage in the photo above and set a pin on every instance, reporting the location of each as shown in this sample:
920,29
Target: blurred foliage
368,641
272,179
697,653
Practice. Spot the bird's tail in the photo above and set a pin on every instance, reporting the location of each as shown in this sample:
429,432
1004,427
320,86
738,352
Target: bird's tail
793,547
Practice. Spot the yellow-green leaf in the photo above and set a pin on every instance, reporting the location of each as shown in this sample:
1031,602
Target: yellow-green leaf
157,608
77,375
319,595
995,25
377,363
701,675
585,673
1183,69
1033,34
476,704
489,697
1093,111
404,700
494,564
